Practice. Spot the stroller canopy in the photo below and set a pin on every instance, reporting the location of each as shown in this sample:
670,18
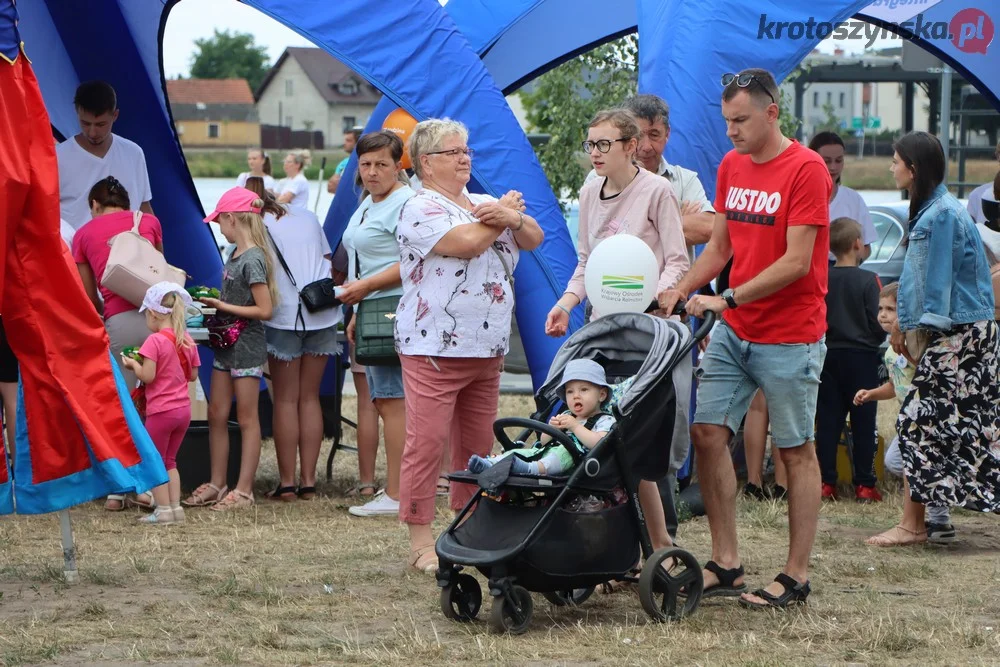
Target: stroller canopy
624,337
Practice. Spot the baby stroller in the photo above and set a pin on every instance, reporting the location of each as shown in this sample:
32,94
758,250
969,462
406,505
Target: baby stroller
519,532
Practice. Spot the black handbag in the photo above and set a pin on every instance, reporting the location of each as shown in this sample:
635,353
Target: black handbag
317,296
375,330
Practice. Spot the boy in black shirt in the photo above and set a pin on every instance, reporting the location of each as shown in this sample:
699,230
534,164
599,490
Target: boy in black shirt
852,362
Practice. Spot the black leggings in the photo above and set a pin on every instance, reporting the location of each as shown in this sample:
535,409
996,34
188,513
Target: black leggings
844,373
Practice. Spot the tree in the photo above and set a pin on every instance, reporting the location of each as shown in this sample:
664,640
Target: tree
230,56
567,97
831,122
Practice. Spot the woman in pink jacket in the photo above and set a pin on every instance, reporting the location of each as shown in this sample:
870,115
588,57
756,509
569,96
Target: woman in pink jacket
627,199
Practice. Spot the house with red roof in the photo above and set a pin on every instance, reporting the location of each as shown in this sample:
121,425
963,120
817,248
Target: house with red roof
214,113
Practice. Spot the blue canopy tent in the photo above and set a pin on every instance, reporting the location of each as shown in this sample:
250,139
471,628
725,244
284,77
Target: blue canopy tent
475,49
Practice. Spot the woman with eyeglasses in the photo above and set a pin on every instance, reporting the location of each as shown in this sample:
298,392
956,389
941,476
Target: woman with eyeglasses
626,199
457,257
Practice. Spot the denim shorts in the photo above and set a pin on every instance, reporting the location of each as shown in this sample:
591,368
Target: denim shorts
384,381
286,345
733,369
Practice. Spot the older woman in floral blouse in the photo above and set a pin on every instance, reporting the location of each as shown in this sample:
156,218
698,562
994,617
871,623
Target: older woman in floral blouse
458,252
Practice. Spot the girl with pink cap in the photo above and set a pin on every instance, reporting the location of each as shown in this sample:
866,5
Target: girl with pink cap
248,296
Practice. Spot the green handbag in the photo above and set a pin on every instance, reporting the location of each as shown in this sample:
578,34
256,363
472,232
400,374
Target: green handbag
375,332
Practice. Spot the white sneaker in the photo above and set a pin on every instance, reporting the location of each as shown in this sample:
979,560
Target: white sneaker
380,505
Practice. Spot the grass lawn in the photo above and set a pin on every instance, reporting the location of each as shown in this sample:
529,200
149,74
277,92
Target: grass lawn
306,583
872,173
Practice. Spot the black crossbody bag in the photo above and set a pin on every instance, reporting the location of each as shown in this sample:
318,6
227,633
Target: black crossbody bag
317,296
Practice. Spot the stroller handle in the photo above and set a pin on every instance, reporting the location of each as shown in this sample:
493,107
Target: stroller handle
708,320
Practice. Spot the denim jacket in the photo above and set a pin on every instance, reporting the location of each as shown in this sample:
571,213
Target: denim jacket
946,277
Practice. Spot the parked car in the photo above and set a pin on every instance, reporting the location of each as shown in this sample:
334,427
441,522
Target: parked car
888,251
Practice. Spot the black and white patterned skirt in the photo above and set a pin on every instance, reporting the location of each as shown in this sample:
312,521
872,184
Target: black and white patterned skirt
949,424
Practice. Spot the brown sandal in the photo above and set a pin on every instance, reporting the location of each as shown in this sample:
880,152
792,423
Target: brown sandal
205,495
424,560
897,536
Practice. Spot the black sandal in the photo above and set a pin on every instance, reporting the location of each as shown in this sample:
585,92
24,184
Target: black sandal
795,593
283,493
306,492
726,586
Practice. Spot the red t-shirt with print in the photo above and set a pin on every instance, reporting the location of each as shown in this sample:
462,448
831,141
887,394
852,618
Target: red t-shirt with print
761,201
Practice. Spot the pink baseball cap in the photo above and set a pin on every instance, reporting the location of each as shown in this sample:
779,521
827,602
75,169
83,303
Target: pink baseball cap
235,200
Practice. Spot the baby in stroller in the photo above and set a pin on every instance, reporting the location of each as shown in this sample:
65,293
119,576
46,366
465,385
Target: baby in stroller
585,391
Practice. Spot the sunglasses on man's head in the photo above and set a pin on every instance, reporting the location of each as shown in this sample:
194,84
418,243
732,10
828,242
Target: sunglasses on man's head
744,81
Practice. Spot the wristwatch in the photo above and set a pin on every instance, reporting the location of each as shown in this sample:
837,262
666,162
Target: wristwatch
730,296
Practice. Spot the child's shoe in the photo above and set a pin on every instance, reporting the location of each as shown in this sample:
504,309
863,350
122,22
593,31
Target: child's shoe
178,514
161,516
867,494
940,533
829,491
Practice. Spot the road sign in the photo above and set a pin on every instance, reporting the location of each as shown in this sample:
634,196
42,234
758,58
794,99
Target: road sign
857,122
859,133
874,122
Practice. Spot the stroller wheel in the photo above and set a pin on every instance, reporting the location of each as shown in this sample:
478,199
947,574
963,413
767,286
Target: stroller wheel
659,586
511,613
462,599
569,598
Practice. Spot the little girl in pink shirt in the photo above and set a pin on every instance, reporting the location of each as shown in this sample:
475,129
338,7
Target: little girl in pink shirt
169,362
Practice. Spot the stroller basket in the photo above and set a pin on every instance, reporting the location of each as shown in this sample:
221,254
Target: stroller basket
573,554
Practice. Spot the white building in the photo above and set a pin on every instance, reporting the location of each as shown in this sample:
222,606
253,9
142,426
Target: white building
308,89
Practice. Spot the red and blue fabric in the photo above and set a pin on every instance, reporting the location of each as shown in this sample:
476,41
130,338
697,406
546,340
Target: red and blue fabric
78,435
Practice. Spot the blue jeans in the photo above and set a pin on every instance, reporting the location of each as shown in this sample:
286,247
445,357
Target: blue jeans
733,369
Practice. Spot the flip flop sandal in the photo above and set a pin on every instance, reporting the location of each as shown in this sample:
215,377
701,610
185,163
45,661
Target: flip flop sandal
284,494
795,593
306,492
726,586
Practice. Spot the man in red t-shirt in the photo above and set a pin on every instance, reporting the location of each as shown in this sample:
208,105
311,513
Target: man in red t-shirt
772,203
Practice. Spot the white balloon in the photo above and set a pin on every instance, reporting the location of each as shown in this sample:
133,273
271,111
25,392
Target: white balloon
621,275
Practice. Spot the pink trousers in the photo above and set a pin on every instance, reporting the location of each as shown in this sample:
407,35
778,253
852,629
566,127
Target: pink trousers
447,399
167,430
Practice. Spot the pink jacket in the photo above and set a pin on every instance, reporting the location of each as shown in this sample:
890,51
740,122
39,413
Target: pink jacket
646,208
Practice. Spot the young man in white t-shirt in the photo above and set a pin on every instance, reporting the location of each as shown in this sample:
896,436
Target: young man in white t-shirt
846,203
96,153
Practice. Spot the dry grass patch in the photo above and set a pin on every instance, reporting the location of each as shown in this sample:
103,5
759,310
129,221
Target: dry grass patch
305,583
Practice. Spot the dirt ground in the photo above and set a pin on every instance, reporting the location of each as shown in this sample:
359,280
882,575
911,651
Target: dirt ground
306,583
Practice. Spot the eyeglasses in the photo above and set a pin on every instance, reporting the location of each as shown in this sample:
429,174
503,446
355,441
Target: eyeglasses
603,145
744,81
454,152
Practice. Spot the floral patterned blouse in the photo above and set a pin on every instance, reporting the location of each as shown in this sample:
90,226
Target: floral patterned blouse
451,307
